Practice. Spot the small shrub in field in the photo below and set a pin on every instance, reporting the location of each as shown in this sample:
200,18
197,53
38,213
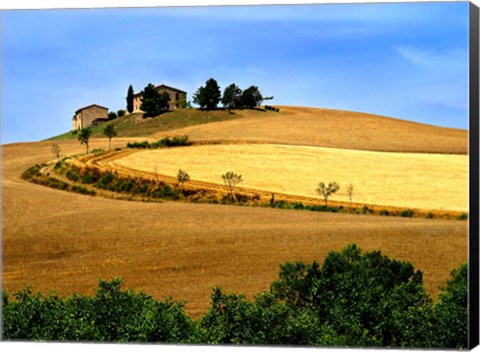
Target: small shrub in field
120,113
174,142
138,145
463,216
72,175
271,108
298,206
384,212
112,115
87,178
366,210
407,213
32,172
429,215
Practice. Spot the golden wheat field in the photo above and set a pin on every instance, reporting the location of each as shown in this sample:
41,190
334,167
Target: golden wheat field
409,180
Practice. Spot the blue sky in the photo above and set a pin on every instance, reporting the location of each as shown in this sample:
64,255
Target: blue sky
405,60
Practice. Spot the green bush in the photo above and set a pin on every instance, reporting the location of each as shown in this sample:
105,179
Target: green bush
72,175
32,172
105,181
364,298
110,315
112,115
271,108
174,142
407,213
138,145
120,113
384,212
451,312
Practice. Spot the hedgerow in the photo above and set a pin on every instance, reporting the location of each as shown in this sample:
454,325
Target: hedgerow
352,299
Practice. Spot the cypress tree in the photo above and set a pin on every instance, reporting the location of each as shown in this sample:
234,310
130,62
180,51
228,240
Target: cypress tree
130,99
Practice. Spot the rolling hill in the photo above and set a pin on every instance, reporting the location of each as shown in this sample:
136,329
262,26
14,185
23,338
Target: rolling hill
64,241
295,126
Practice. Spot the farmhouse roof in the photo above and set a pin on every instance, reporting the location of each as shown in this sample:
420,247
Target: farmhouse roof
90,106
160,86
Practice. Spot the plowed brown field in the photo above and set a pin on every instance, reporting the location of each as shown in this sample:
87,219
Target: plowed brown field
330,128
66,242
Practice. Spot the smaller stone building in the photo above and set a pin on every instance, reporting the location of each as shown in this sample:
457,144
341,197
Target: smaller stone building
88,116
176,96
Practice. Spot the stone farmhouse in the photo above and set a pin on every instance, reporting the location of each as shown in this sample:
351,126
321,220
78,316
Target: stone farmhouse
88,116
176,96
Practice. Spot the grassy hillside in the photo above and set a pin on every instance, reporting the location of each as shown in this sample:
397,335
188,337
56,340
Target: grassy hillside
134,125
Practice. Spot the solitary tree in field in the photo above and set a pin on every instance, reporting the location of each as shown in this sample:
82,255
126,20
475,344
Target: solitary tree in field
182,177
109,132
84,136
350,193
231,179
56,150
327,191
130,97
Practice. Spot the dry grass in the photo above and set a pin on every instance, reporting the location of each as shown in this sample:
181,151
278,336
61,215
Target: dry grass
331,128
65,242
408,180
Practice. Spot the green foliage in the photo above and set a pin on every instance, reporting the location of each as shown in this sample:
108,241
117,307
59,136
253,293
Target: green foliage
72,175
164,142
109,132
208,96
272,108
138,145
231,96
121,113
251,97
407,213
462,216
182,177
154,102
130,97
451,312
368,299
234,319
110,315
84,136
32,172
112,115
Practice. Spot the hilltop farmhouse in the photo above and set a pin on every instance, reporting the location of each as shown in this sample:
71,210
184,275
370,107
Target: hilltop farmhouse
176,97
88,116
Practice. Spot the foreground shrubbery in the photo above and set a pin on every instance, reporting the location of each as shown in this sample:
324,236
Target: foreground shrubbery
353,299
